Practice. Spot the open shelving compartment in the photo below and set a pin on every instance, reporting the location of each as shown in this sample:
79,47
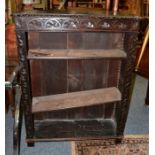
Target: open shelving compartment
76,74
74,80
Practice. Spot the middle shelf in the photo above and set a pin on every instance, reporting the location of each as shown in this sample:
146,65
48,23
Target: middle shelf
75,53
75,99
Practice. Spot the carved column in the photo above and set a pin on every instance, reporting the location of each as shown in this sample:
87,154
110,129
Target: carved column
25,83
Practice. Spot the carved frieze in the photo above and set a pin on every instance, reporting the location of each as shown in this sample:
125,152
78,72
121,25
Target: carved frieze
68,23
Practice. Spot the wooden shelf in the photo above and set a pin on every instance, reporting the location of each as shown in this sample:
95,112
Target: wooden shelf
75,53
75,99
73,129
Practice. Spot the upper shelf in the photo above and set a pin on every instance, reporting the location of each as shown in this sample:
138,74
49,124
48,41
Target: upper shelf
75,53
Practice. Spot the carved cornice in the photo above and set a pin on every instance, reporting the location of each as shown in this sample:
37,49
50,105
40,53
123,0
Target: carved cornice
75,23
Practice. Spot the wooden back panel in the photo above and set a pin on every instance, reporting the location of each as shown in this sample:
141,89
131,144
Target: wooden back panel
61,76
75,40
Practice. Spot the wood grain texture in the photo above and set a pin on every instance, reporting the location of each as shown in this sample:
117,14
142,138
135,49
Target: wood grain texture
54,76
75,99
94,40
52,40
25,82
76,31
126,80
76,21
48,77
75,54
70,129
92,74
31,37
96,111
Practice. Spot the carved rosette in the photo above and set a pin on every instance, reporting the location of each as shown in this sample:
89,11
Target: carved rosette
87,24
69,24
77,23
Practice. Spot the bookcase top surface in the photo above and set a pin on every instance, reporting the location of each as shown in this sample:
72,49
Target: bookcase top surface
79,12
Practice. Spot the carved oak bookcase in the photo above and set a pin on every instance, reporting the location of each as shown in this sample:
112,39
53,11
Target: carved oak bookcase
76,73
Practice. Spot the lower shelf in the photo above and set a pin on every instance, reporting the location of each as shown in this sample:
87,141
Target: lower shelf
75,99
74,129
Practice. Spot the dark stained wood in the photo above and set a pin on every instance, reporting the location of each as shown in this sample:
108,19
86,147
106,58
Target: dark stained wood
74,128
31,37
74,139
95,74
46,77
52,40
93,40
126,80
36,81
83,31
147,95
114,73
75,54
25,82
92,74
75,99
75,76
96,111
113,80
110,110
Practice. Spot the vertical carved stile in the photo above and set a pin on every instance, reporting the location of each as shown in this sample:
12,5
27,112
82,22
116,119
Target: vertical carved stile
125,84
25,82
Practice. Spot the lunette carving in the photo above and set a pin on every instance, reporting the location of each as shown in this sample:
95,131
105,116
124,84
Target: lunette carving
69,23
